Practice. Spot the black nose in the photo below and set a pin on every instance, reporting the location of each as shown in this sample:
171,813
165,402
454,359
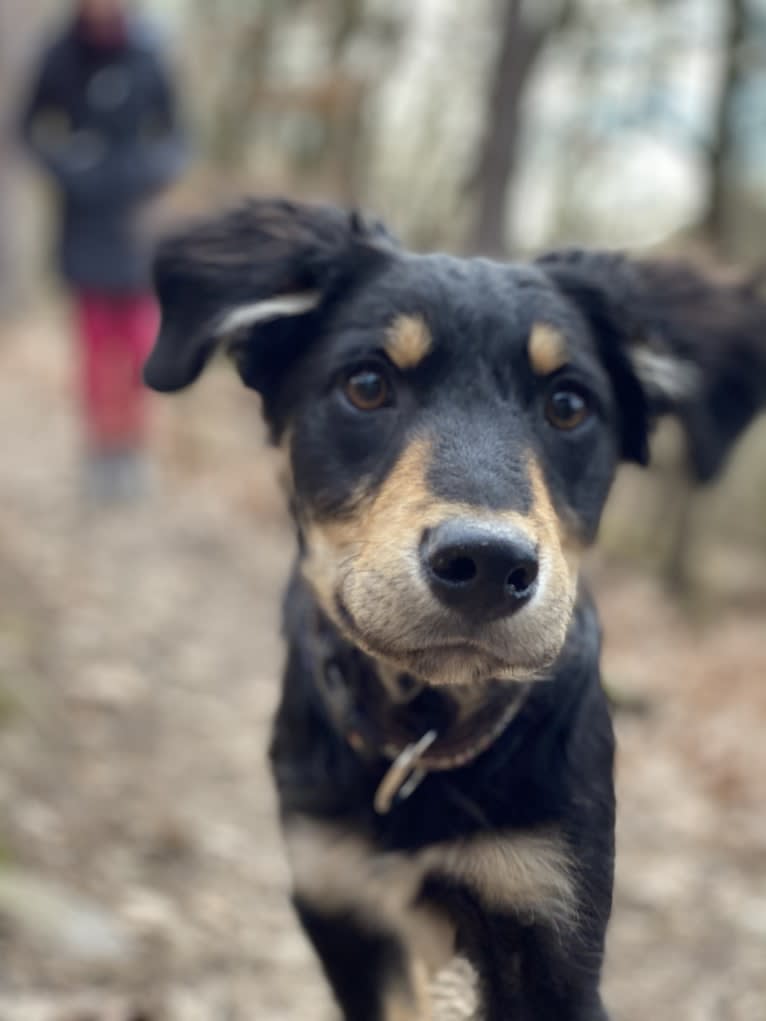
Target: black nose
478,570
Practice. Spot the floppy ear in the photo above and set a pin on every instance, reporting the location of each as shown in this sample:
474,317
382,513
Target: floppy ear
676,342
258,279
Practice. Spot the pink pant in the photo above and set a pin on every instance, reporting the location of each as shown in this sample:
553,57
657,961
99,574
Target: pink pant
116,333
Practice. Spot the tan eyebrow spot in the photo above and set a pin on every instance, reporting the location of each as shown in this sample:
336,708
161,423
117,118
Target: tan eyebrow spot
408,341
547,349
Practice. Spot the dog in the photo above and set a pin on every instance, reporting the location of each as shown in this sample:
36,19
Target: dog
443,751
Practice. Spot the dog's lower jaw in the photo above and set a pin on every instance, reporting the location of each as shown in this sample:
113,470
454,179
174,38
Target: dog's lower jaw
450,667
434,668
457,663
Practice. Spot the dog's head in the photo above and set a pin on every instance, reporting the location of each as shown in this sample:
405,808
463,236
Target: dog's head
452,425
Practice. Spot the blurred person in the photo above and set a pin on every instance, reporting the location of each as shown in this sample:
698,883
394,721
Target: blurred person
101,119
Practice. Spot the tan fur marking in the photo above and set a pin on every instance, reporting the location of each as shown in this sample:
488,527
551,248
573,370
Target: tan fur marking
547,349
531,872
337,870
408,341
550,523
401,1008
285,469
370,558
409,1000
371,537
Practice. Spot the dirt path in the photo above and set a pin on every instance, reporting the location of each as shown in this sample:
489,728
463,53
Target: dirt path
138,665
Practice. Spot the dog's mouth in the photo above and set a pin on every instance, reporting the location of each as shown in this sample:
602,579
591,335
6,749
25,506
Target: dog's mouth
462,664
451,659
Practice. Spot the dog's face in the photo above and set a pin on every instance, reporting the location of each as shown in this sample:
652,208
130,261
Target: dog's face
452,426
451,436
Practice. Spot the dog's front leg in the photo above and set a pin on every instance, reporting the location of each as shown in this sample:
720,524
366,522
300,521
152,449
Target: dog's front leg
359,908
531,972
371,971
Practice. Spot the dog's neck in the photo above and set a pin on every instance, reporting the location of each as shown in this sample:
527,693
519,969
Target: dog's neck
355,755
384,714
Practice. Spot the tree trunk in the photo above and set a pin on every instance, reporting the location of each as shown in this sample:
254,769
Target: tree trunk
517,53
715,221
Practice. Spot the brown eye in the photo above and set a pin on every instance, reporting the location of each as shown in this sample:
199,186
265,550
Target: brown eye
566,408
367,389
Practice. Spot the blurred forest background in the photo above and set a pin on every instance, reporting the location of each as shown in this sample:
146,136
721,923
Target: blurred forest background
140,871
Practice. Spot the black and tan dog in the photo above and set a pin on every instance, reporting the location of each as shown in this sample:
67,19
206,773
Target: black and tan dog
443,751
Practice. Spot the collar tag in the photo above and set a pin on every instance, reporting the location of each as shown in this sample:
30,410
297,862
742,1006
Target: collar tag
403,775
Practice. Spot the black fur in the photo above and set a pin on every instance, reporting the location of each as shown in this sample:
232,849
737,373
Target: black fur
478,417
359,959
717,329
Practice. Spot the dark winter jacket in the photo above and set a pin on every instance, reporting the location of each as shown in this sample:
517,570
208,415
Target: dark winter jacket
102,121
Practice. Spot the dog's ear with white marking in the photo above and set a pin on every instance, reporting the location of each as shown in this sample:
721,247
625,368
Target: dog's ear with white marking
258,281
676,342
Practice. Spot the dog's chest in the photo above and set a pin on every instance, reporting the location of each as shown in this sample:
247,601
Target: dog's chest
526,874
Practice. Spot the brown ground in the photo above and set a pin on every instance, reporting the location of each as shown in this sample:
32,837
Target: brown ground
140,871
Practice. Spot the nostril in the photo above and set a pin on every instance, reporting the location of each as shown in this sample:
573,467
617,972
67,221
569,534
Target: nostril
519,581
454,570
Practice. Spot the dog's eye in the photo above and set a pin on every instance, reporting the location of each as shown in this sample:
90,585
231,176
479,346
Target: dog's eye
367,389
566,407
